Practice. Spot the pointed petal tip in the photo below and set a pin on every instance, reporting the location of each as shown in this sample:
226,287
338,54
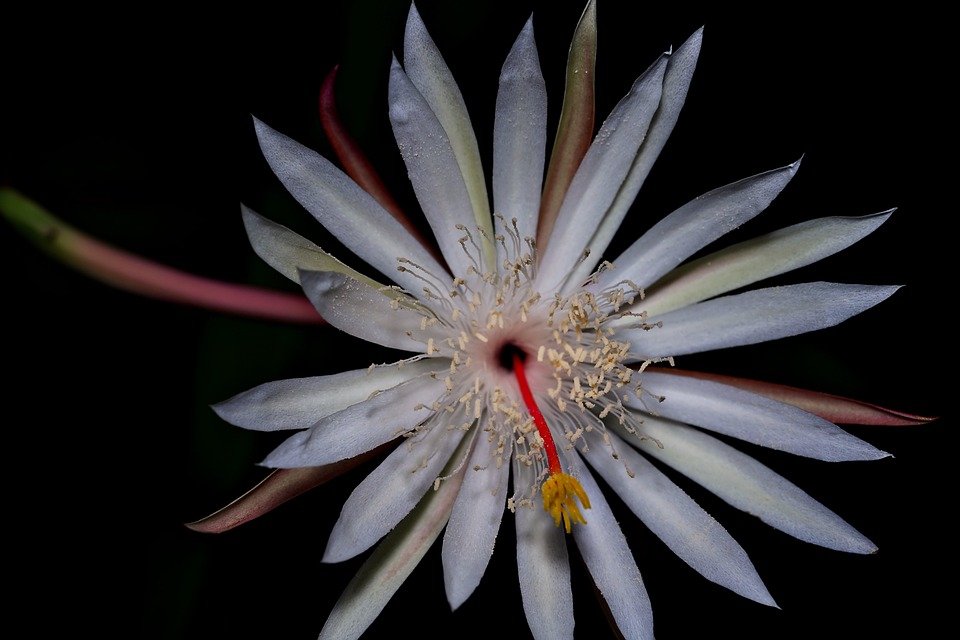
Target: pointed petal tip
279,486
413,12
275,489
862,546
695,39
202,526
219,408
766,599
330,558
456,599
327,102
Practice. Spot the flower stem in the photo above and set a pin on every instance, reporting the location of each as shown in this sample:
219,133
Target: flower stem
133,273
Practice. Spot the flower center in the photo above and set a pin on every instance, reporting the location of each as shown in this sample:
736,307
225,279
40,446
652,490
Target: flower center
510,347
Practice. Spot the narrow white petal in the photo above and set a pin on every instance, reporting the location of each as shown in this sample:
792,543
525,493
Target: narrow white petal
360,427
519,136
758,258
543,567
366,312
388,494
695,225
601,173
474,523
430,75
288,252
750,417
610,562
391,564
432,168
747,485
752,317
343,208
299,403
676,83
673,516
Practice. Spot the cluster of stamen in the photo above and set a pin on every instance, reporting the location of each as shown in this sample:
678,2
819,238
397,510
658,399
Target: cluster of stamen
488,314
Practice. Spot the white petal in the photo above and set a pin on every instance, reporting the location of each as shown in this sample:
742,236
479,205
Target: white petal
752,317
747,485
543,567
432,168
673,516
610,562
676,82
430,75
360,427
758,258
299,403
366,312
694,225
343,208
519,136
747,416
600,176
390,564
470,535
390,492
289,252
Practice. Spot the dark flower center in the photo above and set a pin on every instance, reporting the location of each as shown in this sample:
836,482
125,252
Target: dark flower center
506,356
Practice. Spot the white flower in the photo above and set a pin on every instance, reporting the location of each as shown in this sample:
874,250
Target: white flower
537,360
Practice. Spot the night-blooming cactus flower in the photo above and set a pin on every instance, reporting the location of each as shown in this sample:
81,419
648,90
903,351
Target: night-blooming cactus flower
538,363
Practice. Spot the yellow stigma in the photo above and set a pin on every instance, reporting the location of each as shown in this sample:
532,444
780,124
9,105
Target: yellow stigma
559,492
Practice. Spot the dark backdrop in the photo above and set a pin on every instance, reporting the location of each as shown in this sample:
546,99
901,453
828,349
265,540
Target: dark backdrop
137,130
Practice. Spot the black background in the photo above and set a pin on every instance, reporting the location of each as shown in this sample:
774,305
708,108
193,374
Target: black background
138,131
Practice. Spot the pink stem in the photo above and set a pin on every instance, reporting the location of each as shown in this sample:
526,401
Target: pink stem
139,275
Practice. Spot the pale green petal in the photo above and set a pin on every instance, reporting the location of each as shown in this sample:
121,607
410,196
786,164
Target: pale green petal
756,259
751,417
519,136
433,170
343,208
472,530
610,562
299,403
600,177
543,567
577,114
392,562
391,491
673,516
746,484
381,316
361,427
288,252
676,82
432,78
694,225
752,317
